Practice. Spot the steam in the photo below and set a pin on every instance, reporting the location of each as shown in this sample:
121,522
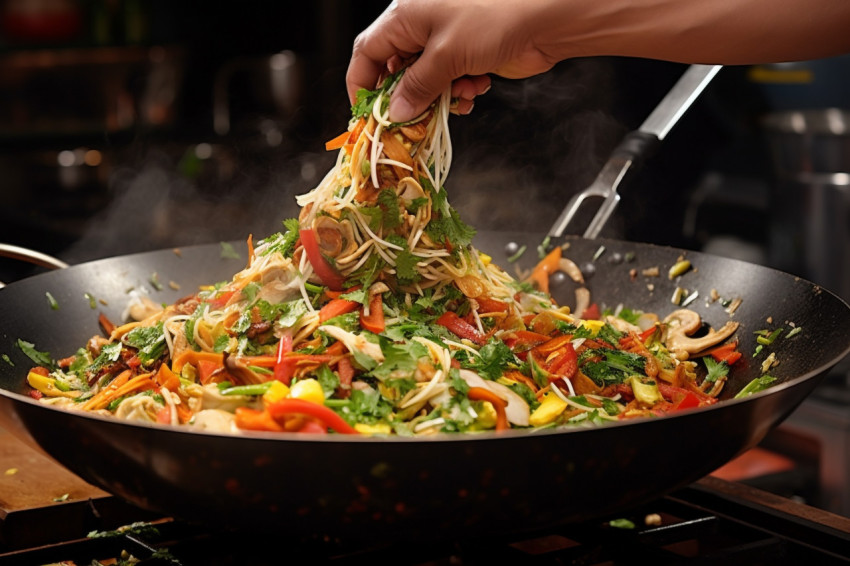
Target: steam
531,144
165,201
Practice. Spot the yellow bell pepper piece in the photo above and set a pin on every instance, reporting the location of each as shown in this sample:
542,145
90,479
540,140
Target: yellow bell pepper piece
377,428
593,325
276,392
486,416
550,407
485,259
308,390
47,385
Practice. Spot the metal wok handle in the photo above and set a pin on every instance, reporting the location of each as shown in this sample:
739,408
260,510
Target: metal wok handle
634,147
30,256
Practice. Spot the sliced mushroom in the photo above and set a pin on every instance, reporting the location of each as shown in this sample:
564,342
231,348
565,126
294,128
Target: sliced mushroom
238,369
335,238
408,190
680,324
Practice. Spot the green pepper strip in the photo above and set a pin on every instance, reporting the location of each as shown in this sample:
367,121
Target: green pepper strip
253,389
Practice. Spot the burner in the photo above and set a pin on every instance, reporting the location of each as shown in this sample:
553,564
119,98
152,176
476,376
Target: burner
709,522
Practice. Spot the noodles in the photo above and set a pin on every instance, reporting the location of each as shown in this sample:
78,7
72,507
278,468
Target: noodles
374,308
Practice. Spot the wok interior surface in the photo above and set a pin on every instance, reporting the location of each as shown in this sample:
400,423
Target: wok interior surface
421,487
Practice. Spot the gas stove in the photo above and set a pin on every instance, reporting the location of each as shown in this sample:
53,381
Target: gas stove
708,522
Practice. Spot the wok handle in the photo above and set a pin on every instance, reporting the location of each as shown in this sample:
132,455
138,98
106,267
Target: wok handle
635,147
30,256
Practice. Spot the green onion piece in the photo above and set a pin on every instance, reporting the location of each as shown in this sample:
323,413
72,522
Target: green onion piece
518,254
253,389
756,385
768,340
154,279
365,168
794,331
8,360
91,299
759,348
543,248
337,402
51,301
313,288
598,253
258,369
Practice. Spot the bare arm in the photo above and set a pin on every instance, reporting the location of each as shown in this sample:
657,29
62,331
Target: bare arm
460,42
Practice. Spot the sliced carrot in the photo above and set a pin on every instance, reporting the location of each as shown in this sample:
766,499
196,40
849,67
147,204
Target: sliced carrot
337,307
337,142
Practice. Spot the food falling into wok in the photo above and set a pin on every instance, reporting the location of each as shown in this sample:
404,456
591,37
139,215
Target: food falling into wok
372,313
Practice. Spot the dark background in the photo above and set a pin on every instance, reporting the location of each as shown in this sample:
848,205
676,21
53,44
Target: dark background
134,82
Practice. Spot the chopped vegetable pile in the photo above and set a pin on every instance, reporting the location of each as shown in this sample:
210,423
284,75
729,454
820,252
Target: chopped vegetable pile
372,313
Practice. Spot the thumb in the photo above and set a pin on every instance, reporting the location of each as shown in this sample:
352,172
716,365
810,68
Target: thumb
421,84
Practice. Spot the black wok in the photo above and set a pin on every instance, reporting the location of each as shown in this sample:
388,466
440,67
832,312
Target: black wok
420,487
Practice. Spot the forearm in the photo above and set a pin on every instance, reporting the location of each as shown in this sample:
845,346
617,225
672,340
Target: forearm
693,31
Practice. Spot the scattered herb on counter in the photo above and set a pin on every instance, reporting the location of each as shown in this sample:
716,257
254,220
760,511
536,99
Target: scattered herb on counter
62,498
8,360
91,300
154,280
794,331
140,528
621,524
51,301
228,252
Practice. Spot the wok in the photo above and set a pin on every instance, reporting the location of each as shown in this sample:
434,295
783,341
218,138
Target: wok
485,483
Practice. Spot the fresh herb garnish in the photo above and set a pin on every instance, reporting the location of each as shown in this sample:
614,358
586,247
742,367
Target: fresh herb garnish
228,252
149,341
40,358
716,369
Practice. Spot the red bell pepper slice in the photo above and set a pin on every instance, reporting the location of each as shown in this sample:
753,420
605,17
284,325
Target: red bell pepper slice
566,363
374,321
486,304
726,353
221,300
330,277
459,327
283,370
279,410
591,313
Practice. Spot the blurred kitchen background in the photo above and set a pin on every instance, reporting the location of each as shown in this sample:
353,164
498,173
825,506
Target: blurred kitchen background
131,125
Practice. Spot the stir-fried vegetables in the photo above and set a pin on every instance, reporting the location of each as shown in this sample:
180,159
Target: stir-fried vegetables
372,313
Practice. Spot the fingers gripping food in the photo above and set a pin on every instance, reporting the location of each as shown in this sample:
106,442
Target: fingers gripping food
373,313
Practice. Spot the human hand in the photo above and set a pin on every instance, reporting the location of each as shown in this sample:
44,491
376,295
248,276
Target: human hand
457,41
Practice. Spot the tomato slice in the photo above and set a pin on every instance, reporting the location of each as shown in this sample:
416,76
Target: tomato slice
330,277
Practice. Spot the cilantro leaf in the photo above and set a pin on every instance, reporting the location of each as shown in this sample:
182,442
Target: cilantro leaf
327,379
450,227
388,201
149,341
400,360
716,369
495,357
